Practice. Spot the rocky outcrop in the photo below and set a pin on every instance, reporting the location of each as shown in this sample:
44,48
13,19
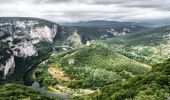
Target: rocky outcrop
24,49
21,35
8,67
74,40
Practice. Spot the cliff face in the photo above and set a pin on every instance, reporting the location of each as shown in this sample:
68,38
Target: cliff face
20,35
8,67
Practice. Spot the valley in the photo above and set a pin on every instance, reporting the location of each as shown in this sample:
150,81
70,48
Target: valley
98,60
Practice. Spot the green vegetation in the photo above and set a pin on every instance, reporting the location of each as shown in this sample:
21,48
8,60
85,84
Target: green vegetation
150,46
90,67
18,92
44,77
153,85
73,39
5,52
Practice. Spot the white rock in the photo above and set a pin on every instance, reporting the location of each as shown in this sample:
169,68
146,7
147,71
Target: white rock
8,67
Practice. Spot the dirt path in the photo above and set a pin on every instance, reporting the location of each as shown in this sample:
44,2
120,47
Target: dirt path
58,74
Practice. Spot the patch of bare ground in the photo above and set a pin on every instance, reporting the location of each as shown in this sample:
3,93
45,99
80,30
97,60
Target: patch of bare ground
58,73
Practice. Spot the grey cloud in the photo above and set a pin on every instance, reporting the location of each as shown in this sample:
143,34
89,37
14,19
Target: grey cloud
117,1
7,1
51,1
156,4
86,15
75,10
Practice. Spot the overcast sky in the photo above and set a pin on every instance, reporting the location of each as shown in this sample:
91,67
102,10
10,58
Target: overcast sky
81,10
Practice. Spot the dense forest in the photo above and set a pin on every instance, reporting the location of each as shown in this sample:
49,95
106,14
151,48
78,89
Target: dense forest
153,85
15,92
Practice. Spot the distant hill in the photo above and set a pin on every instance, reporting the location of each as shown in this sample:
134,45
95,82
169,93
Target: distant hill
99,29
99,23
155,36
151,46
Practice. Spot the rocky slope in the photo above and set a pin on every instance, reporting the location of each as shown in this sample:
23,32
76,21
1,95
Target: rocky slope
102,29
19,37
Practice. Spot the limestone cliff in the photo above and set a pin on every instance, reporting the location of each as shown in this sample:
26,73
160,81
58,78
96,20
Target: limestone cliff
21,35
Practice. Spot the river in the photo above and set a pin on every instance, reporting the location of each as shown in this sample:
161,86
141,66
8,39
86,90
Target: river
31,82
43,90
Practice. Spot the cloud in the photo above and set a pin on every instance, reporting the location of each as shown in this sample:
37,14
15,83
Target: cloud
77,10
156,4
51,1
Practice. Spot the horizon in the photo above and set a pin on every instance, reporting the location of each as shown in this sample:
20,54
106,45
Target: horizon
143,23
157,11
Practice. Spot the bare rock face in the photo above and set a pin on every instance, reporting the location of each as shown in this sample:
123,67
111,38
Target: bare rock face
7,63
21,35
8,67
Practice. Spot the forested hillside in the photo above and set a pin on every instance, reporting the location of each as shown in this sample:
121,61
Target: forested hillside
88,68
153,85
150,46
15,92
